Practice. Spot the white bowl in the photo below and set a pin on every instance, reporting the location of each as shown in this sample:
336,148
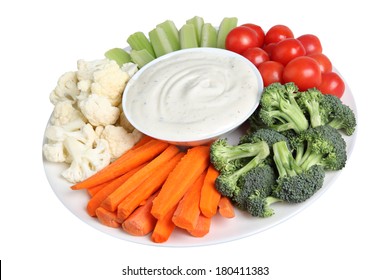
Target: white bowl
192,96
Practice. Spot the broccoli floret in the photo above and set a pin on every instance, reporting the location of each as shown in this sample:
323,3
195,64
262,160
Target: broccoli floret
340,116
226,158
227,183
279,110
270,136
259,180
295,184
322,145
310,103
259,206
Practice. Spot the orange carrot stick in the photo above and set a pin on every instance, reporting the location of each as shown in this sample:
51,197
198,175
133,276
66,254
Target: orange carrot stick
92,191
180,179
226,208
187,211
209,197
164,227
202,227
112,201
141,221
147,188
129,160
107,218
101,195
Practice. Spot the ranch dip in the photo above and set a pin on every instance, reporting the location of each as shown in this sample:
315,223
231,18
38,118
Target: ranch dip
192,94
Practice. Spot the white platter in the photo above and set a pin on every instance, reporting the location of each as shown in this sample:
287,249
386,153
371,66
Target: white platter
222,229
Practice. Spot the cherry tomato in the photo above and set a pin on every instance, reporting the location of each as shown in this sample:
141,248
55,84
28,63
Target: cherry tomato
260,32
241,38
256,55
333,84
304,71
277,33
268,48
323,61
311,43
271,72
286,50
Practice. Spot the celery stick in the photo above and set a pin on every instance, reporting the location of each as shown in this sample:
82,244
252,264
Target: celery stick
119,55
188,37
141,57
172,32
139,41
208,36
198,24
227,24
161,43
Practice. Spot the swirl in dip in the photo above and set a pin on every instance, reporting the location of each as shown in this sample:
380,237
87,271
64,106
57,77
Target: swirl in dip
192,95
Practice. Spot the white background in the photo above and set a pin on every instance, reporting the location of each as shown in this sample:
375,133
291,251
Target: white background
343,235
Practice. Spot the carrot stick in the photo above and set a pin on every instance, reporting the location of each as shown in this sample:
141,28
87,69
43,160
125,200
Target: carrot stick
187,211
141,221
209,197
92,191
164,227
112,201
129,160
226,208
107,218
101,195
180,179
146,189
202,227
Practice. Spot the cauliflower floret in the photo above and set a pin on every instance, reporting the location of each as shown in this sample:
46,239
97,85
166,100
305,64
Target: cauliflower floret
86,160
55,152
102,77
66,89
119,139
98,110
64,112
130,67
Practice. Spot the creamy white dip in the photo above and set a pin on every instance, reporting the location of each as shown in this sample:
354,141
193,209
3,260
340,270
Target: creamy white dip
192,94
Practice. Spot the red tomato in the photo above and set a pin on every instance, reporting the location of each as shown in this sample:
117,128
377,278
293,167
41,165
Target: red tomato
323,61
271,72
304,71
256,55
277,33
286,50
311,43
241,38
333,84
268,48
258,30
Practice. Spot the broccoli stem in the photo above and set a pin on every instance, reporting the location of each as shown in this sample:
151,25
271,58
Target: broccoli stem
285,162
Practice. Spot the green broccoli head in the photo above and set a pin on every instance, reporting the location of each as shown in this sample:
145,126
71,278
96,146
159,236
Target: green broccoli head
227,183
279,110
260,179
268,135
310,103
300,187
259,206
321,145
228,158
339,115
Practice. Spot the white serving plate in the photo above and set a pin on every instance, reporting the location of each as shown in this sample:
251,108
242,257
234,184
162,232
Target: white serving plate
222,229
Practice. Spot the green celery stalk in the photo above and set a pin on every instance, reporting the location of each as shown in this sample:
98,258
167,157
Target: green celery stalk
172,32
198,24
119,55
208,36
161,43
139,41
141,57
227,24
188,37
